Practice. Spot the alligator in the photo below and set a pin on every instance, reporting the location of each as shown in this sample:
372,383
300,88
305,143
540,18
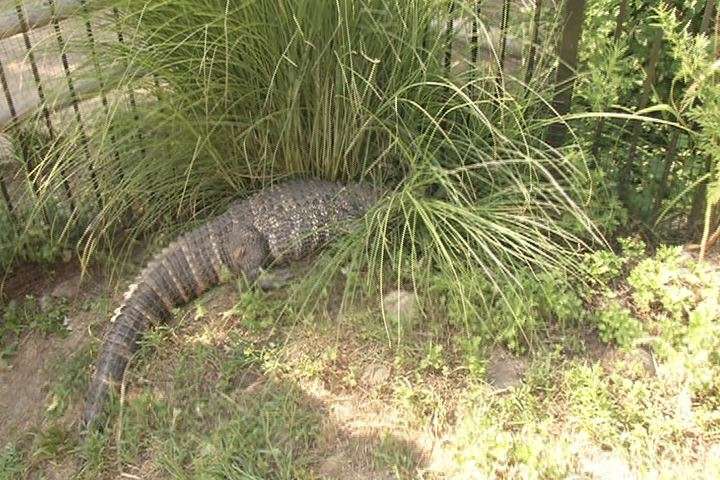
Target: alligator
277,225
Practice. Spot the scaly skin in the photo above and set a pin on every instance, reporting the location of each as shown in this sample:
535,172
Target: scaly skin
282,223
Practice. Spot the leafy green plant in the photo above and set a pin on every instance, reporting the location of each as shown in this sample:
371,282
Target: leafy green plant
256,310
633,248
433,360
662,281
515,313
616,324
603,265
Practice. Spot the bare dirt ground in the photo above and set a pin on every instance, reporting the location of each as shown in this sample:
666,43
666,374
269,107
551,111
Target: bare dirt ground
24,380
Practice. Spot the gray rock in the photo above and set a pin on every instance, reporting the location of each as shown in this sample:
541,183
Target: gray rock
375,375
505,370
401,305
67,289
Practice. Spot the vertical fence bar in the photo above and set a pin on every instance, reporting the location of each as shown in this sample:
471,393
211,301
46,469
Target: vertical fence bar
101,80
131,93
74,100
475,38
41,94
534,38
475,43
503,39
449,37
23,141
11,107
8,201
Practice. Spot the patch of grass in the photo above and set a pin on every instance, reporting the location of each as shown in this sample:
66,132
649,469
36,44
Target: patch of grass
234,97
269,436
70,382
19,317
396,455
203,401
45,227
52,443
12,464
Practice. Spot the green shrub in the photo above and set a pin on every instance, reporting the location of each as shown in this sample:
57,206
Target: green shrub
664,282
617,325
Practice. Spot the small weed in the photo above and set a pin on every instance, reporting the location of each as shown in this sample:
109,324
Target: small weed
433,360
617,324
12,465
421,401
474,357
256,310
395,455
633,248
603,266
20,317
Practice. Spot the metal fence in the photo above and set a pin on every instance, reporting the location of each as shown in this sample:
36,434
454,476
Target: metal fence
38,62
37,77
522,38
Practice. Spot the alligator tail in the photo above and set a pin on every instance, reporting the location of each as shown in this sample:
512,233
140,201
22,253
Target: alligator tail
179,274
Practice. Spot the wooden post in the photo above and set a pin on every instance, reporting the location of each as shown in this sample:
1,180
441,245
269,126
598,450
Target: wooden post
573,17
